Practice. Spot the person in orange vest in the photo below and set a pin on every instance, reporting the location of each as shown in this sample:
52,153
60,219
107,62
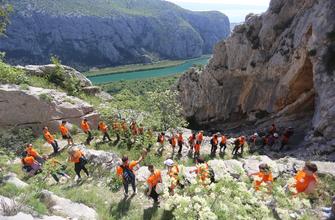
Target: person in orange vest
160,141
191,142
306,178
30,165
200,137
173,142
223,143
124,126
50,139
32,152
104,130
126,172
85,127
180,142
141,130
66,133
154,178
214,142
173,173
117,129
239,144
134,128
272,129
197,147
263,176
78,158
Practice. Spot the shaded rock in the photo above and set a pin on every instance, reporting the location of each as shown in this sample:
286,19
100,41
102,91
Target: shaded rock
92,90
37,107
222,167
276,67
251,164
7,205
12,178
66,207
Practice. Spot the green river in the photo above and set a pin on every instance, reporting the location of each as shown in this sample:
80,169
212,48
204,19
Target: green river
143,74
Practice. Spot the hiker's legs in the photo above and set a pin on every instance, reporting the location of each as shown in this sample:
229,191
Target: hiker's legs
235,150
89,138
54,175
154,195
77,169
242,147
55,146
180,147
133,185
125,186
85,170
117,137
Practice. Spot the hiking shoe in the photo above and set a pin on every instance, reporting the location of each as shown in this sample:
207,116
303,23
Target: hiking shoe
135,192
125,195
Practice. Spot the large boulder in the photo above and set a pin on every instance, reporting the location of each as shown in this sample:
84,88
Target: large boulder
23,216
223,167
37,107
46,70
251,164
275,67
12,179
67,208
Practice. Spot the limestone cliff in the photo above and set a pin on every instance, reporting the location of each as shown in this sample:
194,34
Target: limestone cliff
98,33
276,67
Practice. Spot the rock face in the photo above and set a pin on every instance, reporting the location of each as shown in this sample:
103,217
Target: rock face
276,67
67,208
12,178
37,107
86,33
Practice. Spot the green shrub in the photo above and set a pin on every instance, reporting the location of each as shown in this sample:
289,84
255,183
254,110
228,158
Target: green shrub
45,97
10,190
74,129
12,75
15,139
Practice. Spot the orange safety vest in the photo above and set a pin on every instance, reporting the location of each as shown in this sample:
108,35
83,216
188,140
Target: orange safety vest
63,130
85,126
264,178
303,180
75,157
223,139
103,127
50,139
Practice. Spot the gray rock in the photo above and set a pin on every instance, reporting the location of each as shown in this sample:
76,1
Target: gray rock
12,178
276,66
23,216
7,205
222,167
37,107
92,90
65,207
251,164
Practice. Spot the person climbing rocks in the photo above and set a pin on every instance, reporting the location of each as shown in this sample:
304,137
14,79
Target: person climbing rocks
214,143
237,145
134,128
173,142
223,143
124,127
273,129
104,130
117,129
50,139
126,172
78,158
197,147
191,142
160,142
173,173
180,142
264,176
286,137
66,133
55,168
200,137
30,165
32,152
306,179
85,127
153,180
141,130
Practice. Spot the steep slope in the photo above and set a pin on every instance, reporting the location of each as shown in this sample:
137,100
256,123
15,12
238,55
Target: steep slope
276,67
87,33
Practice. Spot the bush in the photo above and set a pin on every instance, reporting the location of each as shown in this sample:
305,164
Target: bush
11,75
45,97
15,139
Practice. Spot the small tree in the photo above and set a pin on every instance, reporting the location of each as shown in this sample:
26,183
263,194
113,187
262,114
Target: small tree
5,10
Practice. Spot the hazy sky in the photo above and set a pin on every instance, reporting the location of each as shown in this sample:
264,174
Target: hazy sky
236,10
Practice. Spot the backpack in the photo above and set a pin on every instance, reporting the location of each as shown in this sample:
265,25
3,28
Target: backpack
83,161
127,175
211,174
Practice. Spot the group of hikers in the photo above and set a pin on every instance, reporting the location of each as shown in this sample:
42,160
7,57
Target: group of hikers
33,162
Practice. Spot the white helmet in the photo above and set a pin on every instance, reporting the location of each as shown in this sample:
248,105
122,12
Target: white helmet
275,135
169,162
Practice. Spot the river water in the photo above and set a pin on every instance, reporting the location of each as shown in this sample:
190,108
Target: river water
143,74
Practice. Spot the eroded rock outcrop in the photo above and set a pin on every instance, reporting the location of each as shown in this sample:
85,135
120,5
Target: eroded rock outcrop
37,107
276,67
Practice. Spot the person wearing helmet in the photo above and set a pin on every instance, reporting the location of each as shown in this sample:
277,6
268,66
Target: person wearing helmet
173,173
